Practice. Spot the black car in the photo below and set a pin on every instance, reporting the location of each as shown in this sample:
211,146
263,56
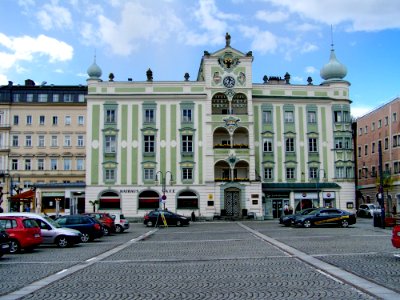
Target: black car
288,220
326,216
89,227
4,242
157,217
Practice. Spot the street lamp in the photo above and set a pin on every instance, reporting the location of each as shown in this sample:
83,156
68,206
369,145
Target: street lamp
163,180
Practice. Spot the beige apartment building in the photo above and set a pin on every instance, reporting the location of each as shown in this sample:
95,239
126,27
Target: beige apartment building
379,127
42,146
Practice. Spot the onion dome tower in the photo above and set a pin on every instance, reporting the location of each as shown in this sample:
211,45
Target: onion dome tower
333,70
94,71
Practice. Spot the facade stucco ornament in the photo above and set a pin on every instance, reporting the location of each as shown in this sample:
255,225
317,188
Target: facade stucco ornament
135,144
232,159
173,143
123,144
228,62
231,124
163,144
229,94
95,144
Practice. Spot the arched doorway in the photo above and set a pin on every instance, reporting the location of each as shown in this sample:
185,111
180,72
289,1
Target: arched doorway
109,200
149,200
232,202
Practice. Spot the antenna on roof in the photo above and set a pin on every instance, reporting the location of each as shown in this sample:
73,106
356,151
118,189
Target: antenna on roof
331,36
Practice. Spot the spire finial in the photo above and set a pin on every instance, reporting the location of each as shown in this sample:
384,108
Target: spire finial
332,36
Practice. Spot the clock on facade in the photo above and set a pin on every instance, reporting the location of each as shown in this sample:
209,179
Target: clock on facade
229,81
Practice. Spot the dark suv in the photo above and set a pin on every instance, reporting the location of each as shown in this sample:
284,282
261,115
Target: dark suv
89,227
105,219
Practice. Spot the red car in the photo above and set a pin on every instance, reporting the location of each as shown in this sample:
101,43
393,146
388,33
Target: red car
24,233
396,236
106,220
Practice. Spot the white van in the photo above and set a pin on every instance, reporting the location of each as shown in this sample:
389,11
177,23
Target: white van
51,231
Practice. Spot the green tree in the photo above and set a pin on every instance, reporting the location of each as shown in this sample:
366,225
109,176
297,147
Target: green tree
94,203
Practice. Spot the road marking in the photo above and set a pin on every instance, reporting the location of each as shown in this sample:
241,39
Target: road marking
368,287
34,286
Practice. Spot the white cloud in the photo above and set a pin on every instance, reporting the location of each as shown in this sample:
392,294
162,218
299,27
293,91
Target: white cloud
359,15
263,41
308,47
28,48
3,79
357,112
311,70
271,17
297,79
53,16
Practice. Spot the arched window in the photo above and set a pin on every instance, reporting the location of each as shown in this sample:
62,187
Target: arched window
110,200
220,104
187,200
149,200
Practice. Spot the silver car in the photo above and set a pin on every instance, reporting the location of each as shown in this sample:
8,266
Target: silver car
51,231
368,210
121,223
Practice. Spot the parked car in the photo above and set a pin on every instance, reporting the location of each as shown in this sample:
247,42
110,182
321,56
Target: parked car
105,219
326,216
4,241
121,224
396,236
52,232
288,220
24,233
368,210
89,227
154,218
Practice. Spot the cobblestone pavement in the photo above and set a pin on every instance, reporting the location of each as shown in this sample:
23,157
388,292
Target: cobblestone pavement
215,260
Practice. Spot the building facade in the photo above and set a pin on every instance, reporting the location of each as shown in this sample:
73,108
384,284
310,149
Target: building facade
221,144
379,129
42,145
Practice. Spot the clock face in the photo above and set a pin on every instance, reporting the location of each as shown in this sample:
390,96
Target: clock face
229,81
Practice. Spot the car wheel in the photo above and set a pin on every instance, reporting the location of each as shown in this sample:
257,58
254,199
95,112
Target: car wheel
179,223
119,229
14,246
345,224
149,224
85,237
62,242
106,231
369,215
307,223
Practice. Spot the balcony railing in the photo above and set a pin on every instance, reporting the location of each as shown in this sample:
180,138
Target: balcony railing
228,179
234,146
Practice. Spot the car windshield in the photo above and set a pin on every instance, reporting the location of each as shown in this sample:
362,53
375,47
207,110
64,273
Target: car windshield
52,222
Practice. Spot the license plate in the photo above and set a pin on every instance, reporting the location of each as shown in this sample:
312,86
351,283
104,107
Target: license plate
5,246
37,235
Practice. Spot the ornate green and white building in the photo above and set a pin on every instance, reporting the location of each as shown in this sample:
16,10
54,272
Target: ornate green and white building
219,145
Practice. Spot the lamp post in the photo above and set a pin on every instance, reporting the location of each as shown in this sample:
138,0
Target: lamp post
163,180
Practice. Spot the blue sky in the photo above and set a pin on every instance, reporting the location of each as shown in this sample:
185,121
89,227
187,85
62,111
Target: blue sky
55,41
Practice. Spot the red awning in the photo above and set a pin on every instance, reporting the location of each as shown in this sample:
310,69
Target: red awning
25,196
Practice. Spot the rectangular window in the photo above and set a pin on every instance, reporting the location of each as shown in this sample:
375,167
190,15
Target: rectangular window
373,126
360,131
29,120
81,98
267,117
386,121
27,164
187,174
373,148
289,117
29,97
16,97
149,143
373,171
149,116
340,172
54,141
148,174
110,116
110,144
53,164
396,167
365,149
289,173
81,120
312,145
80,164
67,120
338,116
312,117
187,143
80,141
42,98
15,142
268,145
379,123
313,173
16,120
55,120
14,164
386,143
56,98
394,117
28,141
110,174
186,115
41,120
40,164
67,141
268,173
41,141
359,151
366,129
67,98
67,164
289,144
